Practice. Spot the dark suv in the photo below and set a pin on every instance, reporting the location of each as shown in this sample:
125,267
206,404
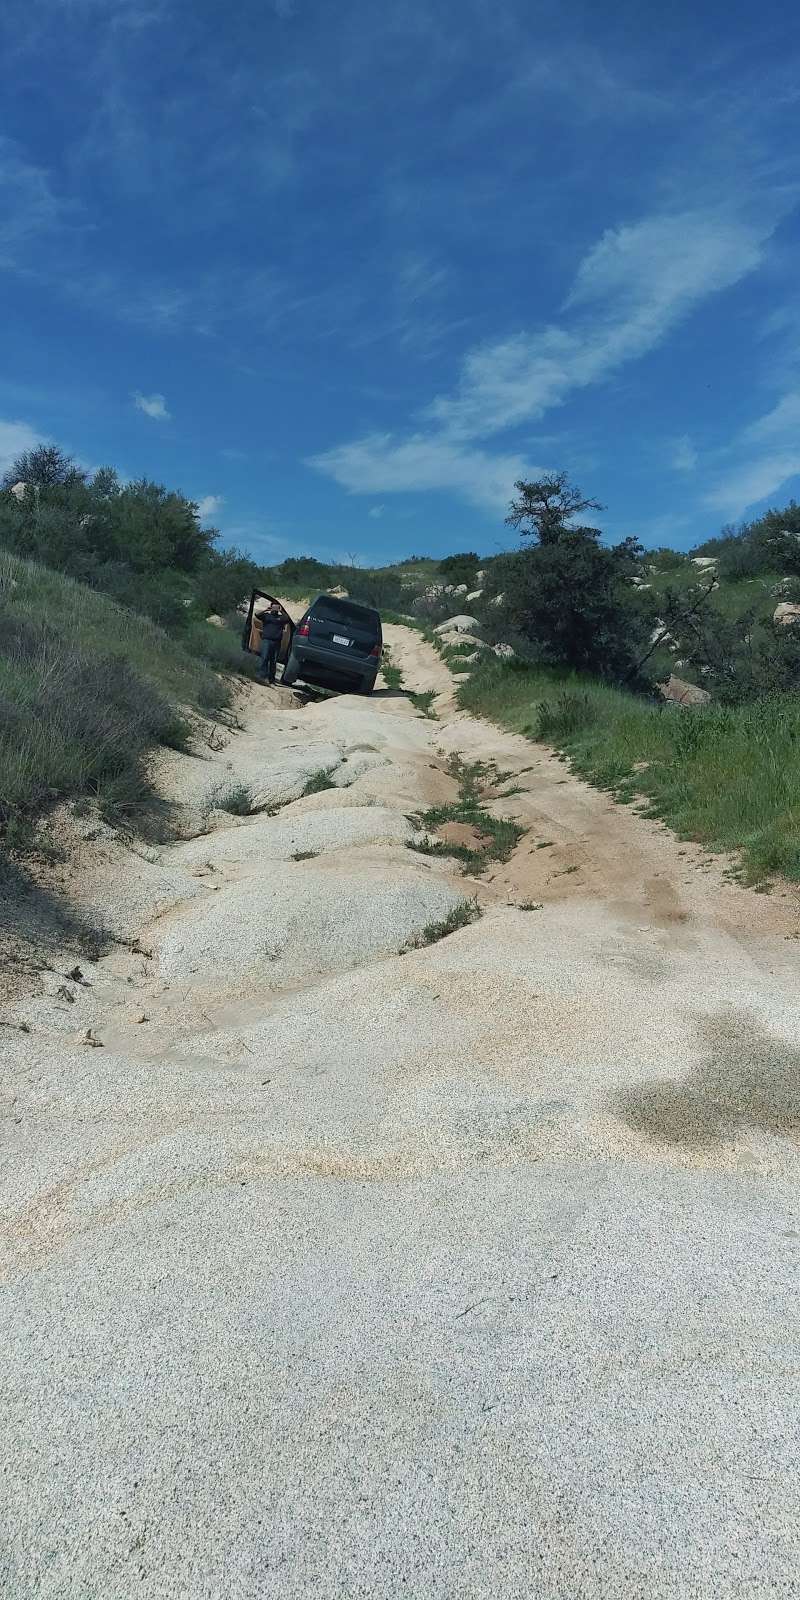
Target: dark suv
336,644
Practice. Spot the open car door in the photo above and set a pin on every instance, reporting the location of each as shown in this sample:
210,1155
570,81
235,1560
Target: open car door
251,633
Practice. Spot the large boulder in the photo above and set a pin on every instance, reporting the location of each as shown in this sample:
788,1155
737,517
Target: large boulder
216,622
786,613
682,693
463,638
475,595
460,588
704,562
459,624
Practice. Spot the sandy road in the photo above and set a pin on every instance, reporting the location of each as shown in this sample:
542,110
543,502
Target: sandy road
343,1271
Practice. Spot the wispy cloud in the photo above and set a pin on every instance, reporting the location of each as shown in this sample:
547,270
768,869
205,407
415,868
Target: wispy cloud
209,504
30,205
153,405
629,292
683,456
15,438
763,457
376,512
394,466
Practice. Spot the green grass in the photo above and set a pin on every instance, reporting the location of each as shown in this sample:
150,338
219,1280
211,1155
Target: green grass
87,690
423,702
392,675
728,778
500,835
460,917
236,799
319,781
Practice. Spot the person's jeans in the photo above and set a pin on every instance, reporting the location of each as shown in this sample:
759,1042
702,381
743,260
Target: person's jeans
269,655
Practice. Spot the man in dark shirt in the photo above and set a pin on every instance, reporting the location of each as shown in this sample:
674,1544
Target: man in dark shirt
272,626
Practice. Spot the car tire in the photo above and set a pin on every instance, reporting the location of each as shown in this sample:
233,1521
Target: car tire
367,686
289,673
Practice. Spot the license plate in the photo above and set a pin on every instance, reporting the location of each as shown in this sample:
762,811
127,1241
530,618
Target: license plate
339,638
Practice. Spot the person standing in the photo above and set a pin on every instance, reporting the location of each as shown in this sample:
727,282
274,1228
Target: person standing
272,626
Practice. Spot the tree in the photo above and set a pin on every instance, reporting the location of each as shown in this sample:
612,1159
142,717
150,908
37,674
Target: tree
571,599
460,568
545,508
44,467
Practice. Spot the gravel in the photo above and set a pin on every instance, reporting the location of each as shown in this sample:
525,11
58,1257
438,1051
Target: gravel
471,1271
286,923
280,838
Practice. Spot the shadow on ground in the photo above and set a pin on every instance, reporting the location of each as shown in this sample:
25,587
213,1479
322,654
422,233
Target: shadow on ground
38,926
748,1079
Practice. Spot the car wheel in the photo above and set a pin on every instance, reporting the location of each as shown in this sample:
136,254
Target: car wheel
289,673
367,685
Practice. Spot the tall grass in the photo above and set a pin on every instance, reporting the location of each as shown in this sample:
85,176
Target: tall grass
727,777
87,689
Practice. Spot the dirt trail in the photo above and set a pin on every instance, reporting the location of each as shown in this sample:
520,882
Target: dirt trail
352,1264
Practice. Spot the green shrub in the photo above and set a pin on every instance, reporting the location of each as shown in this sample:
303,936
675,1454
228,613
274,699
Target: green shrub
87,689
460,917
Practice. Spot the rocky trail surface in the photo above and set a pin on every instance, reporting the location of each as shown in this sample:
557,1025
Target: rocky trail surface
337,1263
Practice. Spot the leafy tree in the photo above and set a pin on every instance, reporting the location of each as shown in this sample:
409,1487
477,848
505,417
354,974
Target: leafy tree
572,600
376,587
460,568
569,598
44,467
545,508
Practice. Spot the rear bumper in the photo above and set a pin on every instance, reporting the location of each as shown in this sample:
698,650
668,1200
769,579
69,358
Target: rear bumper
314,661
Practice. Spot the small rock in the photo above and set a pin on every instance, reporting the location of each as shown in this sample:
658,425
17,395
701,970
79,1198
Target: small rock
65,994
504,651
216,622
89,1037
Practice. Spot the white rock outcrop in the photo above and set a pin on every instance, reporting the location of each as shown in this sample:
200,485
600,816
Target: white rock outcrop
786,613
459,624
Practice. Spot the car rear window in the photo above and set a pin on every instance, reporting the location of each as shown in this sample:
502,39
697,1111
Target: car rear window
330,609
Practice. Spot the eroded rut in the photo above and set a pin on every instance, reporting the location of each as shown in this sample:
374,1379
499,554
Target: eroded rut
346,1264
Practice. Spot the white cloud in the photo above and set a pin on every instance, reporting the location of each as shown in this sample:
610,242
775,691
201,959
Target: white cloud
629,292
153,405
684,457
376,512
395,466
16,437
765,454
209,505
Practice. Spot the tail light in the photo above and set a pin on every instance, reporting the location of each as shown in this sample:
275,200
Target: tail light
303,630
376,650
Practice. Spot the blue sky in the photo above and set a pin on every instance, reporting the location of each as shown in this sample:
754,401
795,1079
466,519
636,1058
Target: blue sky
342,271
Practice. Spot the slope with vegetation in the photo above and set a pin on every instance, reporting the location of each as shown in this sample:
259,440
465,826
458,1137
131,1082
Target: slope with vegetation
106,587
597,630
